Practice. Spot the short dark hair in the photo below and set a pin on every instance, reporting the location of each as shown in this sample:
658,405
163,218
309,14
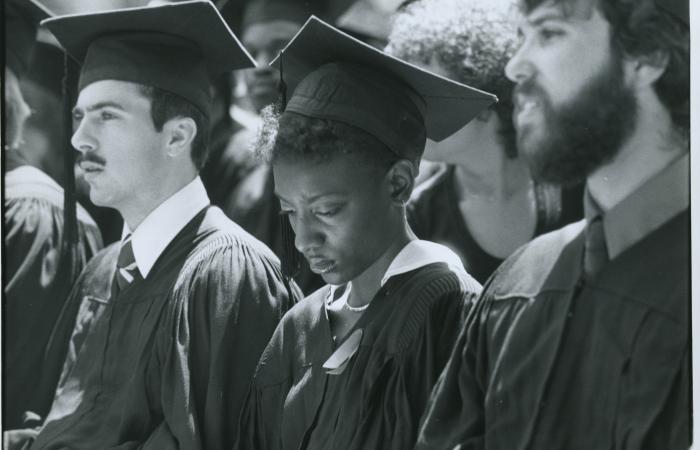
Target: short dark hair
295,137
166,105
472,40
641,28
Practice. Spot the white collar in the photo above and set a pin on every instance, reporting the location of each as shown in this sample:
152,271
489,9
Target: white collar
164,223
415,254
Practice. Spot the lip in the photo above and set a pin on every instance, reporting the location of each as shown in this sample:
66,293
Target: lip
321,265
525,106
91,169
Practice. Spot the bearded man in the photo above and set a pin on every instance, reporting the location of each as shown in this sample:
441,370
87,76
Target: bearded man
581,339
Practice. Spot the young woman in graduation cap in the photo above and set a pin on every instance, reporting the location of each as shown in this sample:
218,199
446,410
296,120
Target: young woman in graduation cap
352,365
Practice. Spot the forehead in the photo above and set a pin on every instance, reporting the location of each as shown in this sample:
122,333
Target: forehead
124,93
339,173
565,10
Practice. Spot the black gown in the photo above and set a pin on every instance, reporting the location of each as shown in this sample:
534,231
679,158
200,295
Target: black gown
37,277
166,362
409,329
549,361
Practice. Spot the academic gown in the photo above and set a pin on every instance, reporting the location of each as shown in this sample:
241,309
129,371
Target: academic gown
37,276
433,214
549,361
165,362
408,331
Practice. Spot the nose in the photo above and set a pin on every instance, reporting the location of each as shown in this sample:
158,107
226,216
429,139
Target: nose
307,236
519,67
82,139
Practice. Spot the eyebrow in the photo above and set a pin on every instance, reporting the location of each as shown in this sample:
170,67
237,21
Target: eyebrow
314,198
544,17
100,105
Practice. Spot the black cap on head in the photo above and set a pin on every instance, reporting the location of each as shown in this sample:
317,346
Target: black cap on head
176,47
22,19
335,76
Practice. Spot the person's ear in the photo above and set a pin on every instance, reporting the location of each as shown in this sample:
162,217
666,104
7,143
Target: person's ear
179,133
401,179
645,70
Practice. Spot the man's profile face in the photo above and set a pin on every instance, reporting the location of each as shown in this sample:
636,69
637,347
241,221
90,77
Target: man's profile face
573,110
120,148
339,212
264,40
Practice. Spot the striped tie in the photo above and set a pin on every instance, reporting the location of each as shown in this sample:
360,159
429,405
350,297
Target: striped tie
127,271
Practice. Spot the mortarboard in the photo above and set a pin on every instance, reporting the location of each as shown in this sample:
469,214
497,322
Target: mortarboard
22,19
335,76
679,8
176,47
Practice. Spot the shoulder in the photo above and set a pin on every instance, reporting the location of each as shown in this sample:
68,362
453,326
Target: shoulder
527,270
305,314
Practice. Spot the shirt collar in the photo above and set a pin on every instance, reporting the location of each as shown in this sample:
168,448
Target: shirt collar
161,226
414,255
654,203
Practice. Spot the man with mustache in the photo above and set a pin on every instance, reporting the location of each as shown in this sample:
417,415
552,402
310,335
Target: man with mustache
581,338
173,318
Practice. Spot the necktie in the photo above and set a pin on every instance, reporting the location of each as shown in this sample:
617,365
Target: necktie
596,252
127,271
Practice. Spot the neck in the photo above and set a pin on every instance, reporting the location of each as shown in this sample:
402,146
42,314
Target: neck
651,147
367,284
140,206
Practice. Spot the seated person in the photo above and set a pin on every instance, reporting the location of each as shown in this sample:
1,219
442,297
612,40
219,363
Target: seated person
352,366
483,203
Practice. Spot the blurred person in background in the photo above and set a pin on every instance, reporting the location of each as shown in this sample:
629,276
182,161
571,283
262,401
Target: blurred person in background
40,265
483,203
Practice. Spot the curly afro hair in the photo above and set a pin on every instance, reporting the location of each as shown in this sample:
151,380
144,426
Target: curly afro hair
472,40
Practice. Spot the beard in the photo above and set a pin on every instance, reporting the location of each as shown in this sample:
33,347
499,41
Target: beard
583,134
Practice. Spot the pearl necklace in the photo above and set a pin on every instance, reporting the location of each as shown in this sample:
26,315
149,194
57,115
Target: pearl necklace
355,309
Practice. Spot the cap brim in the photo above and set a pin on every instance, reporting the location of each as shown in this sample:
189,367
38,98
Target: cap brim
449,105
197,21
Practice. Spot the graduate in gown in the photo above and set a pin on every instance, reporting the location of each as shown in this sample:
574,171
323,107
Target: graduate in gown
482,201
352,365
581,339
173,318
38,267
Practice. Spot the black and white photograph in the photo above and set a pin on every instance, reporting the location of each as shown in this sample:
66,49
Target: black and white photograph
349,225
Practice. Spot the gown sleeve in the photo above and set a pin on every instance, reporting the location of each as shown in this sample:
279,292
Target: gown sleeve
229,300
38,279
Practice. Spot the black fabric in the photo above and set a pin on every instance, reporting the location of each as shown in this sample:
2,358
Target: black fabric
37,279
165,363
548,361
376,403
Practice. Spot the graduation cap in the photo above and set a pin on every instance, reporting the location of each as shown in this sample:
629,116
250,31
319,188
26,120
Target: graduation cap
334,76
176,47
22,19
679,8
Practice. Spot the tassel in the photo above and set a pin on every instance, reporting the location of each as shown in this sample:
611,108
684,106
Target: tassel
283,85
290,258
70,221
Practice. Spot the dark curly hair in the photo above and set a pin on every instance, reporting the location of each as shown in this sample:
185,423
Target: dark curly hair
642,29
472,40
295,137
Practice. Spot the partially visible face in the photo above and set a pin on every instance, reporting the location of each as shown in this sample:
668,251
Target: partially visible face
573,110
339,210
16,109
264,41
120,149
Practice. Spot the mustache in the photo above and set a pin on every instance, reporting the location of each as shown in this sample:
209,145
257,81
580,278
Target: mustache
91,157
528,87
